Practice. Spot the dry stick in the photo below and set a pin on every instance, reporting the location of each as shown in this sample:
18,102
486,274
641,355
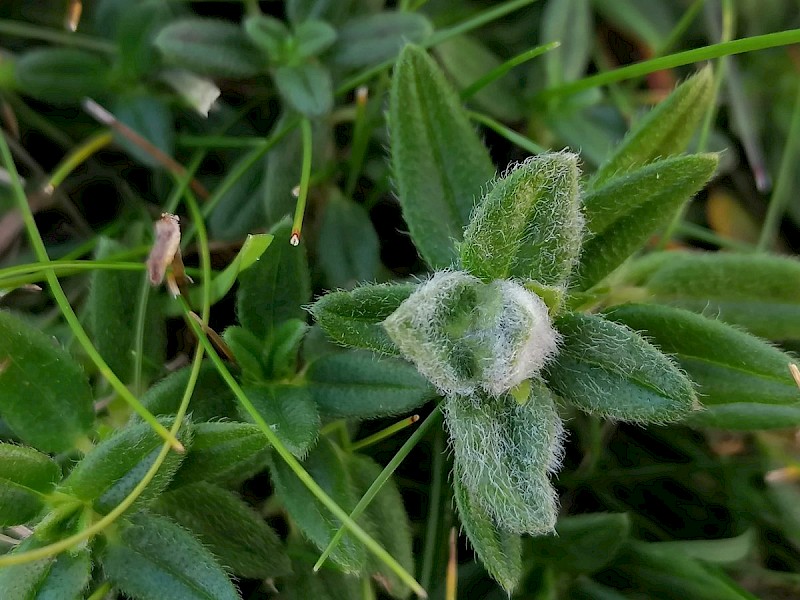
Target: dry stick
106,118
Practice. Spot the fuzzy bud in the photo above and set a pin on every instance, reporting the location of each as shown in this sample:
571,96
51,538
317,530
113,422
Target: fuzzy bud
465,335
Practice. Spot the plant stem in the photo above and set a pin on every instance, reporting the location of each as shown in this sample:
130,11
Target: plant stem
500,70
63,303
305,176
376,486
748,44
383,434
511,135
783,184
77,157
434,510
76,40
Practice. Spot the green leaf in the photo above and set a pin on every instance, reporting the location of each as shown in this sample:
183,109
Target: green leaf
439,163
747,416
529,225
466,59
282,355
236,534
275,288
354,318
308,88
223,452
240,208
575,546
113,306
209,47
570,23
727,364
655,572
45,396
349,249
504,452
332,11
312,38
387,522
290,412
720,551
359,384
61,75
56,578
499,551
664,131
137,27
250,252
371,39
25,475
758,292
152,558
110,471
327,467
627,210
247,350
211,399
271,35
327,584
151,118
609,370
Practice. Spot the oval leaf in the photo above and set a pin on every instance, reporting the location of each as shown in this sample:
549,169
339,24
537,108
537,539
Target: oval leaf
44,395
759,292
152,558
55,578
209,47
359,384
439,163
727,364
354,318
236,534
25,475
609,370
61,75
290,412
529,225
371,39
306,88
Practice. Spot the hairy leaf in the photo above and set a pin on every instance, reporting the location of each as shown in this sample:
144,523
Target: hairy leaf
290,412
25,475
439,163
370,39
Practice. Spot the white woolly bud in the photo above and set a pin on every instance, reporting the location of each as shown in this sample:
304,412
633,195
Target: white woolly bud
465,335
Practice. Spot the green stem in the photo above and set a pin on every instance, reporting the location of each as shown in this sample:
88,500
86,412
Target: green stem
66,309
379,482
783,184
440,36
358,147
500,70
141,319
434,510
100,592
219,141
511,135
305,176
749,44
295,465
78,156
383,434
61,38
681,27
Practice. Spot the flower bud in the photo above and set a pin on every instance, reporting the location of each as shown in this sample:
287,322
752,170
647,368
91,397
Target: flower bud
465,335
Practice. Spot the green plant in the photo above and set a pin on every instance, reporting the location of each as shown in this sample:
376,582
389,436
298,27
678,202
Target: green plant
540,306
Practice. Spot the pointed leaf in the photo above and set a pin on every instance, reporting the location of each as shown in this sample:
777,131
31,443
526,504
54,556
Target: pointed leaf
349,249
152,558
570,23
367,40
276,287
529,225
25,475
223,452
326,466
307,88
354,318
499,551
61,75
504,452
387,522
290,412
574,547
236,534
113,312
609,370
110,471
209,47
728,365
359,384
628,209
212,398
440,166
55,578
758,292
664,131
45,396
312,38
